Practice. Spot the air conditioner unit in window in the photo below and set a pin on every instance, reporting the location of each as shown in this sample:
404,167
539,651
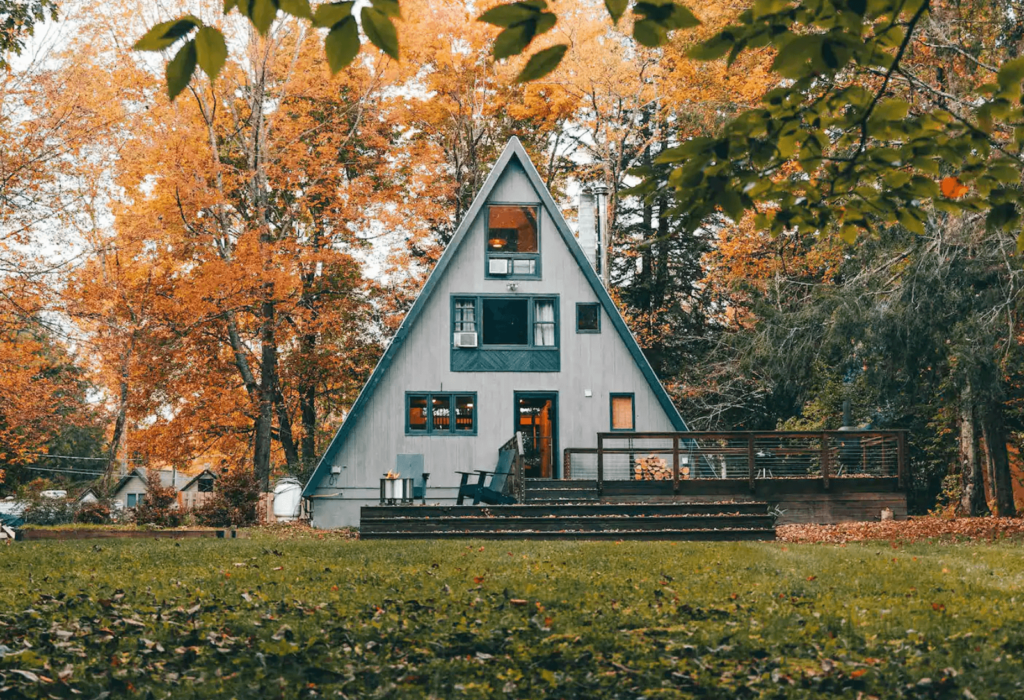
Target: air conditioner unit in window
497,266
465,339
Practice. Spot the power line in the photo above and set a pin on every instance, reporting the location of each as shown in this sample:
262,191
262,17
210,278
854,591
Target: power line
65,471
96,459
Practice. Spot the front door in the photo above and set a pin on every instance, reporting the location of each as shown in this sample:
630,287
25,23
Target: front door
537,419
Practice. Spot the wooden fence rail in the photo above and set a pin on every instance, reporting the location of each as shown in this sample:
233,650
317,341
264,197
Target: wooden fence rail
825,455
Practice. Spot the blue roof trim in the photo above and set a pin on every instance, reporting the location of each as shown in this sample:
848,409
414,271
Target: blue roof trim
514,149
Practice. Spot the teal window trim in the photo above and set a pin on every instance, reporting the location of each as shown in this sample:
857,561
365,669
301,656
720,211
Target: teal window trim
632,410
597,306
453,399
488,254
531,321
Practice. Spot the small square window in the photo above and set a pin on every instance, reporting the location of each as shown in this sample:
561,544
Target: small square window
622,412
588,318
205,485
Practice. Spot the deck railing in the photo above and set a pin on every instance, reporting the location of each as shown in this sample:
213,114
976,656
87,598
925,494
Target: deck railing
515,484
824,455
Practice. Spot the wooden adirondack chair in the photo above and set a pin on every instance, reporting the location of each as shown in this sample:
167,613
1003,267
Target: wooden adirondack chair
492,493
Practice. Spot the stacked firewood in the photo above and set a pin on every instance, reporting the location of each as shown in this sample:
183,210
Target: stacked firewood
651,468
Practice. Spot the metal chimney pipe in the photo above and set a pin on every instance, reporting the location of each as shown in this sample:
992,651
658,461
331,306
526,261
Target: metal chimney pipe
587,235
601,194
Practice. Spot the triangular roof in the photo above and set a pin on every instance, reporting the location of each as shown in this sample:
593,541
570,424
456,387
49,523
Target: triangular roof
514,149
196,478
86,492
168,477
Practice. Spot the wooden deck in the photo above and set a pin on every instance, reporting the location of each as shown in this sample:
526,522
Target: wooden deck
798,501
694,486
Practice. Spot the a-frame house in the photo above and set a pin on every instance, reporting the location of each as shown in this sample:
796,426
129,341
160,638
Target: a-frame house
513,331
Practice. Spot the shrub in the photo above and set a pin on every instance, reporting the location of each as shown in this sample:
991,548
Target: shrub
49,511
235,501
93,513
160,505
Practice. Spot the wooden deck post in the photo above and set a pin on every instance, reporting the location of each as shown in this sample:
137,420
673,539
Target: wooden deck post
600,464
751,460
675,464
566,464
824,459
901,458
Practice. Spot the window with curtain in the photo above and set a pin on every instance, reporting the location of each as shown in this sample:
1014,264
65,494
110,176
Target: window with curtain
622,412
544,323
465,315
506,322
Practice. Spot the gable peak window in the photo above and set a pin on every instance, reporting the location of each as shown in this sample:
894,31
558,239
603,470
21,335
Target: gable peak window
513,241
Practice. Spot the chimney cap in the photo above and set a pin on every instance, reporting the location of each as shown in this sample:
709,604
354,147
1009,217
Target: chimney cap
599,188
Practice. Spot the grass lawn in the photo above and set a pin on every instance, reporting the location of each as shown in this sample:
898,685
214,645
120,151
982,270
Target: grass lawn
303,618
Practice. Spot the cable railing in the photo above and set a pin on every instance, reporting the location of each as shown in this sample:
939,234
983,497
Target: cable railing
750,456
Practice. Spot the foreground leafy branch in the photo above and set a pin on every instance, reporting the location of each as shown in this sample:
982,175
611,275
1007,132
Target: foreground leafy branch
831,148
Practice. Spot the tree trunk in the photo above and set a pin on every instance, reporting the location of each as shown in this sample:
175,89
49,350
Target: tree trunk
284,432
972,498
268,386
994,429
122,412
307,406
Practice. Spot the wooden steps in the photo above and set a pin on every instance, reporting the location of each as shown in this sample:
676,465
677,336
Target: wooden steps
559,491
676,521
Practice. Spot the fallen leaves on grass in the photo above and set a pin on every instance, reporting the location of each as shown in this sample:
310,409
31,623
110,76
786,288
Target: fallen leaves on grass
300,530
910,530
